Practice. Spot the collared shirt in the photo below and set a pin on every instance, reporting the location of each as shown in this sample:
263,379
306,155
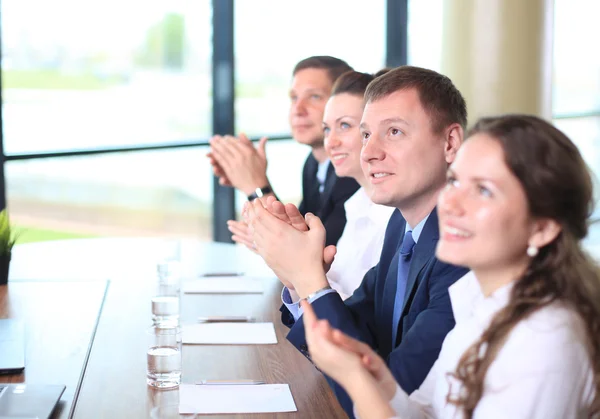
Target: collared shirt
416,232
360,246
543,369
322,174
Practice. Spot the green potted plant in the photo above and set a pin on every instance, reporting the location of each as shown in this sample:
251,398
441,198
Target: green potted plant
7,241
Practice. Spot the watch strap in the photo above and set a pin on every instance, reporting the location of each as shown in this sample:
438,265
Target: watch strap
259,192
312,295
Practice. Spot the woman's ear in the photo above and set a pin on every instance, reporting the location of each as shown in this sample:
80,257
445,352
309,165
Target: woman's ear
454,139
545,230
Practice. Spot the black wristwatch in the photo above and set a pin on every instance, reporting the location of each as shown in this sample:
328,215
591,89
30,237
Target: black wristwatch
258,192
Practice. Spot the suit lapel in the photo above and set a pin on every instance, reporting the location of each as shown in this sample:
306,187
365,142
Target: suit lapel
424,250
330,179
310,187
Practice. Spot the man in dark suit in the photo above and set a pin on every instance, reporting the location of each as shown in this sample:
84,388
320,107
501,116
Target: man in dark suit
328,205
239,164
412,127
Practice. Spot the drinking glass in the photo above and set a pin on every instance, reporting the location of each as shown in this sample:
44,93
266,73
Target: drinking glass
164,357
165,302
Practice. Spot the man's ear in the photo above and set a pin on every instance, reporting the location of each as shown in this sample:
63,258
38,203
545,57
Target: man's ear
453,140
545,230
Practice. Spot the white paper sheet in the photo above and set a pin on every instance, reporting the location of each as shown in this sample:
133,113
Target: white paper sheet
262,398
224,285
229,334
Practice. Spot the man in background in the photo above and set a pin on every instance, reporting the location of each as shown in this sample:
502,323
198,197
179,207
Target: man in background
239,164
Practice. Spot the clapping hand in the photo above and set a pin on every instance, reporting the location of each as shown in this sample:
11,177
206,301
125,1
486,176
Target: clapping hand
296,256
290,214
238,163
352,364
241,230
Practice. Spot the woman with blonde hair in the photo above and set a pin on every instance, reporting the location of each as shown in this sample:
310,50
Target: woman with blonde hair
359,247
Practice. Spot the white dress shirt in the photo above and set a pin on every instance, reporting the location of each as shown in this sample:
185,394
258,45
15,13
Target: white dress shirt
360,246
542,371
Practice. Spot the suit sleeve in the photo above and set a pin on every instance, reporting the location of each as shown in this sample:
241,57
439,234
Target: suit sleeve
355,317
412,360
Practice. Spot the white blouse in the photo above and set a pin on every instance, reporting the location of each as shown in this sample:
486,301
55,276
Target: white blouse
359,247
542,371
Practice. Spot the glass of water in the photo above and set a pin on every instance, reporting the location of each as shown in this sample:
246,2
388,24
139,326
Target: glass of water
165,303
164,357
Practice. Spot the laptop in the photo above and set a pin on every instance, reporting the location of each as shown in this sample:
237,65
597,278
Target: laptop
22,401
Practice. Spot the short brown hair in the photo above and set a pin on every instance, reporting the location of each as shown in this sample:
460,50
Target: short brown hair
439,97
334,66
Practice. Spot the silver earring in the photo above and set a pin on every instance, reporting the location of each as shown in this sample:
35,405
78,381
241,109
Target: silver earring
532,251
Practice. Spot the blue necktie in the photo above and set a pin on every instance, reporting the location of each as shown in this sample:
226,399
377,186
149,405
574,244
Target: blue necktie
406,250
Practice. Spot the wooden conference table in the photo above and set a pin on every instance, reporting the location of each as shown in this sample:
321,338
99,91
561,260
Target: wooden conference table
86,306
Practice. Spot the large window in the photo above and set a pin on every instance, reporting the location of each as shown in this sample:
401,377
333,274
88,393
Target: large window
266,54
149,193
271,36
425,23
83,75
576,85
88,74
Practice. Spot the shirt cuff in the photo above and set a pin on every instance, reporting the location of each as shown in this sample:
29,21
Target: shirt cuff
294,307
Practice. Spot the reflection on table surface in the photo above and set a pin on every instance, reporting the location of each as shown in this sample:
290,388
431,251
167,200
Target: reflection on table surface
113,382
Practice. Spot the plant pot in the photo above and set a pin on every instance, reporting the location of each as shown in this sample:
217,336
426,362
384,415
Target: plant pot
4,266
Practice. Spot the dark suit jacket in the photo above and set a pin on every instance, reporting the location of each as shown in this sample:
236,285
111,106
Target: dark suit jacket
367,315
329,205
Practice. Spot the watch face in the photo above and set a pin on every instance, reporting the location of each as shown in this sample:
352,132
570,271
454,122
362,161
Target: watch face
259,192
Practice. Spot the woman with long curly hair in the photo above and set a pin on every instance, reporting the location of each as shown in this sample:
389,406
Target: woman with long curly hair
527,338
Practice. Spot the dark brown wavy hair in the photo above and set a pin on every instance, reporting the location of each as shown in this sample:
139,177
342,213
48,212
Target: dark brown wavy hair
558,186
